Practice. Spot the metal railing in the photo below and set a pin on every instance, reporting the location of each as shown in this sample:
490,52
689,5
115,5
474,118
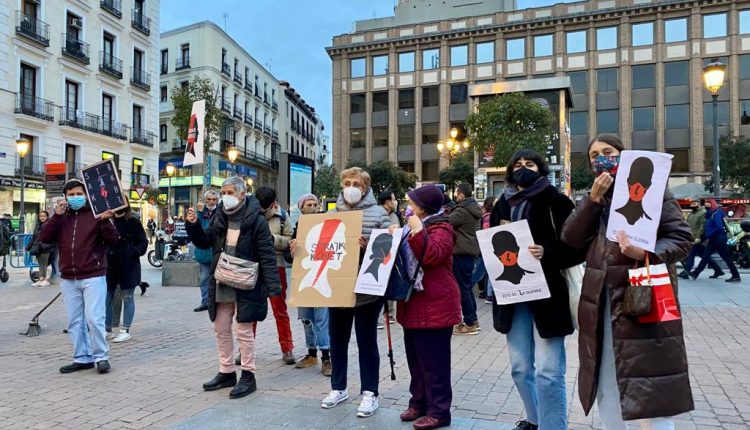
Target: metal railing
164,69
32,28
225,69
71,117
73,168
34,106
32,165
112,6
238,77
142,137
113,129
226,105
258,125
110,64
249,119
227,133
75,48
257,92
238,113
249,86
140,78
141,22
274,105
182,63
265,99
267,130
275,134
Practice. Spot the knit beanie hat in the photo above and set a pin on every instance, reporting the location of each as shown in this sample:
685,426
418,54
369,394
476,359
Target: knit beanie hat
305,197
428,197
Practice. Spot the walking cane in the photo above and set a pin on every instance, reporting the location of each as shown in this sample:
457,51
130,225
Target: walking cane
390,344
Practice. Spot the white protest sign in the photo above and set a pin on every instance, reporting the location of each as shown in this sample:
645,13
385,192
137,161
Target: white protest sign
380,256
194,147
638,197
516,276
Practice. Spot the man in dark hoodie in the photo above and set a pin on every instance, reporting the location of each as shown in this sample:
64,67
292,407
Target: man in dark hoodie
80,238
464,218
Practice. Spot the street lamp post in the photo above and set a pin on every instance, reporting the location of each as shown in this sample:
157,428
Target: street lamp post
451,147
713,77
170,172
250,184
22,147
232,154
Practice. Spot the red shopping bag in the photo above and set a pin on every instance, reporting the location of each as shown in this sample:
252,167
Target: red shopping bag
663,301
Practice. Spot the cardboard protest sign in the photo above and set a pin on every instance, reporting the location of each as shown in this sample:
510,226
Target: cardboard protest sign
516,276
326,260
638,197
380,256
195,136
103,187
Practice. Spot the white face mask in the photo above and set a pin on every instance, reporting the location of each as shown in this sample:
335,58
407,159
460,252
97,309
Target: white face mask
352,195
230,202
211,207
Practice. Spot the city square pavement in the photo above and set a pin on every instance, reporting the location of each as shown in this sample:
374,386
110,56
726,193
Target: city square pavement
156,377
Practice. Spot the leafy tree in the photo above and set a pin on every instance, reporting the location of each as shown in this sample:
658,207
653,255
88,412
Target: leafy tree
326,182
386,175
460,170
581,177
509,122
200,88
734,160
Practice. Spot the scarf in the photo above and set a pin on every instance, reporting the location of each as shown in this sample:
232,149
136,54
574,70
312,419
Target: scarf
411,259
519,199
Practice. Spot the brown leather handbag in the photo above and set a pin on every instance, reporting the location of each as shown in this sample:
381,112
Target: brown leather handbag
638,294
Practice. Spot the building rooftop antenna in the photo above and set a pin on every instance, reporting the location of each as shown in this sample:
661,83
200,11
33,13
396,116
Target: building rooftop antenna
225,16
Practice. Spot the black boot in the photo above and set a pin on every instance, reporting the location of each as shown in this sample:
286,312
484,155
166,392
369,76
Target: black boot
245,385
221,380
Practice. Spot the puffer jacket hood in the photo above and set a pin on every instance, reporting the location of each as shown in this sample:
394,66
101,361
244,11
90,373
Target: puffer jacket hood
464,218
373,216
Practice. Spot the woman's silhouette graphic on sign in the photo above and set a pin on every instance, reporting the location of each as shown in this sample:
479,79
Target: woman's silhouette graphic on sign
506,249
381,253
639,180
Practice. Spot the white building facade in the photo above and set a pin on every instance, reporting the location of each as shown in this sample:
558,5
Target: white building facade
78,80
301,128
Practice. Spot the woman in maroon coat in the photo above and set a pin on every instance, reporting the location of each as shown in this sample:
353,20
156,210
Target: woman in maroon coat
431,312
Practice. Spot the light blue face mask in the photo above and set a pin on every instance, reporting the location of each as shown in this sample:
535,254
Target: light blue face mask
76,202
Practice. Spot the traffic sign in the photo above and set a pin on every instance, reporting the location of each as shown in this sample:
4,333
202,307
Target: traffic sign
140,191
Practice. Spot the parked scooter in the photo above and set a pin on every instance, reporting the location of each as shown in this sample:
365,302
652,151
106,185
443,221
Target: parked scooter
739,245
174,250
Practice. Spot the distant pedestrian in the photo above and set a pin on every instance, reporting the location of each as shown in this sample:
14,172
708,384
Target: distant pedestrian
80,238
432,311
388,201
205,256
697,220
634,371
480,272
716,236
41,250
239,230
464,218
151,226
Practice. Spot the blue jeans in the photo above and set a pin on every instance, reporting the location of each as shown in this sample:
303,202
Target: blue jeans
538,370
463,268
697,250
85,302
315,321
128,305
205,276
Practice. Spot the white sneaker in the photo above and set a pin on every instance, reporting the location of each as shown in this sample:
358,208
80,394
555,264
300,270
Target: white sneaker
334,398
43,283
368,406
110,334
122,337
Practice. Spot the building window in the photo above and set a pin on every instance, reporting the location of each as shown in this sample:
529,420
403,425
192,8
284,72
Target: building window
643,119
358,67
744,66
715,25
380,101
744,21
579,82
137,118
676,117
744,112
430,133
406,98
112,156
380,65
579,123
643,76
485,52
675,30
164,60
643,34
357,103
459,93
459,55
606,38
607,80
430,59
163,133
405,135
406,62
407,167
137,166
676,73
722,110
71,100
608,121
575,41
680,160
185,53
28,85
430,96
380,137
107,112
430,170
356,138
543,45
515,49
163,93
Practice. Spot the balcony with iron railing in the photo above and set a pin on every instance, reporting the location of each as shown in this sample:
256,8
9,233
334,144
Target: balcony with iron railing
75,48
267,130
238,113
248,86
70,117
178,144
259,159
226,133
258,125
32,165
274,105
226,105
275,135
238,77
182,63
112,6
140,78
73,168
110,64
34,106
225,69
142,137
266,99
141,22
32,28
249,119
257,92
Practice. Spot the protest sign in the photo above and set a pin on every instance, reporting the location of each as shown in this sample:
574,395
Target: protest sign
55,175
515,275
380,256
103,187
195,134
326,260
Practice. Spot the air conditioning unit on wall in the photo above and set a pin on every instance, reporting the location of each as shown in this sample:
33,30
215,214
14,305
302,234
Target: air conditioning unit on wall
75,23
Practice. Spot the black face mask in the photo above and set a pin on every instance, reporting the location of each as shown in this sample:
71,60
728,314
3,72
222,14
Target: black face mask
694,208
525,177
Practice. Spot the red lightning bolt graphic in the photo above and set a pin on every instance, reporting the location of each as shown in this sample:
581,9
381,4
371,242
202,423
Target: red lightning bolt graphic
322,253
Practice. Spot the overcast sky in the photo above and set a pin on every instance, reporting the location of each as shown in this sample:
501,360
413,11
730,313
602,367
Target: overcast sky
289,36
